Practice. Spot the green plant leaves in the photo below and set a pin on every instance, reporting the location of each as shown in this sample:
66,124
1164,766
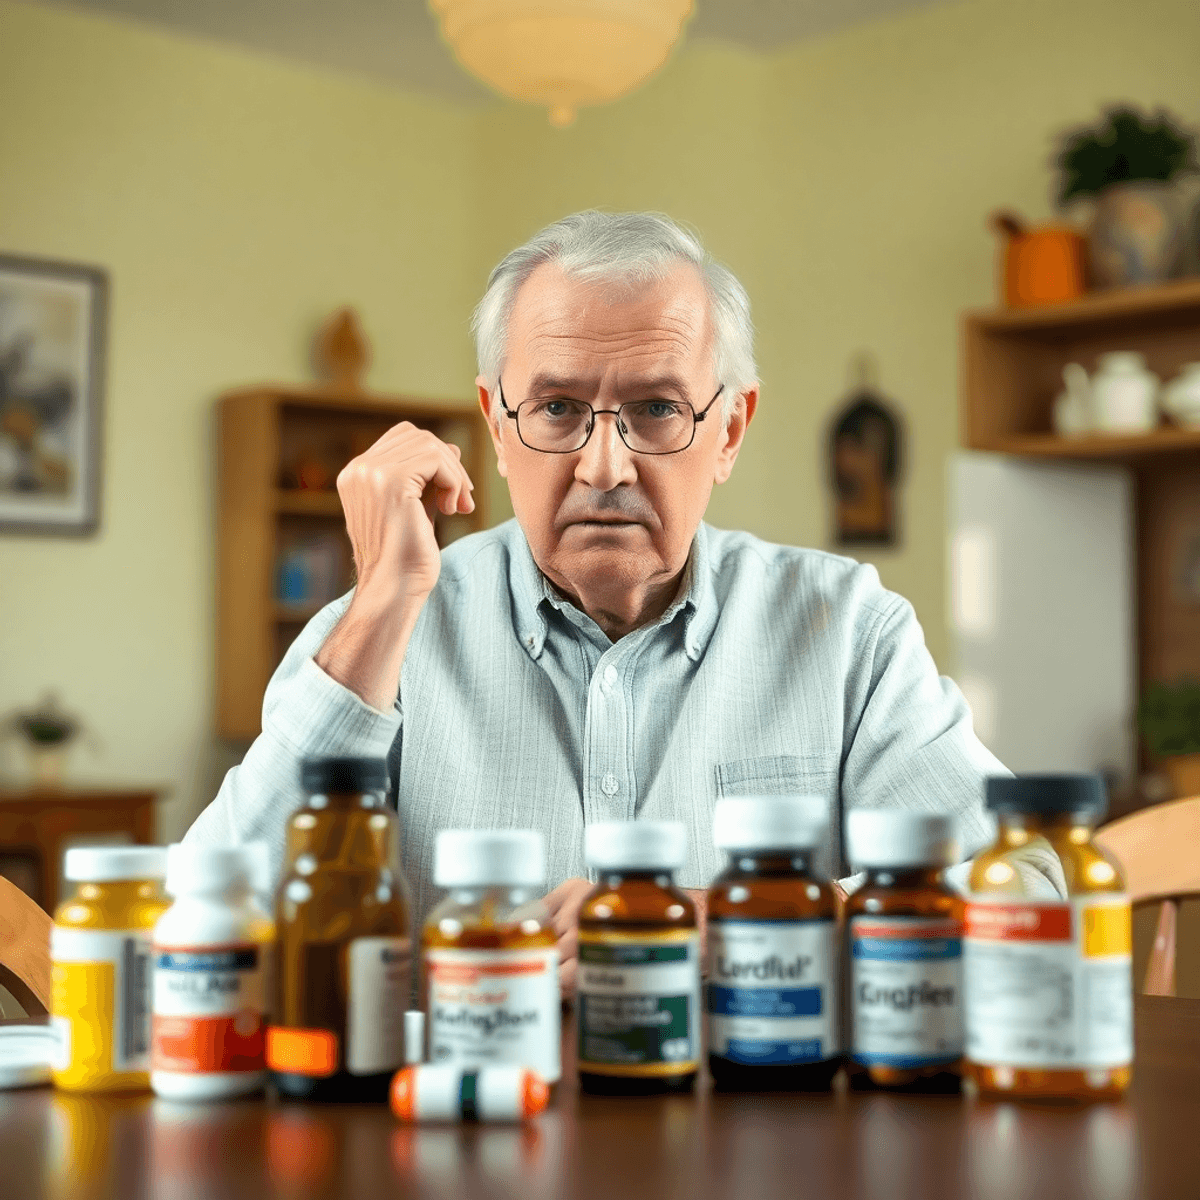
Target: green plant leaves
1169,718
1126,147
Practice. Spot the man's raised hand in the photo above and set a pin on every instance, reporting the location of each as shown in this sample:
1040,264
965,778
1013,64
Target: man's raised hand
391,494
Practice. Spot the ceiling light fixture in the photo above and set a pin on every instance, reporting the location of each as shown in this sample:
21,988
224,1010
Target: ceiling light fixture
562,54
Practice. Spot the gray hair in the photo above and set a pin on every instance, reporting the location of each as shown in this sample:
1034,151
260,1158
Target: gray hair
634,249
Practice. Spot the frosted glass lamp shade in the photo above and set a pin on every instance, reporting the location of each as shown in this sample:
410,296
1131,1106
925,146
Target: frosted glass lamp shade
562,53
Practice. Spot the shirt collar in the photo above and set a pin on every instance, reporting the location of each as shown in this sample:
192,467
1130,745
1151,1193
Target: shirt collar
532,594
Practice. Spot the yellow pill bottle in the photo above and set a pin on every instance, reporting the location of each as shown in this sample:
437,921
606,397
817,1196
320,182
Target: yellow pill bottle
100,952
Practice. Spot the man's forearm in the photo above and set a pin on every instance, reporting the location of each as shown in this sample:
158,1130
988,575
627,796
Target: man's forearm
365,650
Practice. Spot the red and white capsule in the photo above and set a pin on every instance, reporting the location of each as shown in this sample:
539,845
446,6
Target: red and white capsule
443,1093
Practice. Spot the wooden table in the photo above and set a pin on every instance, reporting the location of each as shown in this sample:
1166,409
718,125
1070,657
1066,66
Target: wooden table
748,1147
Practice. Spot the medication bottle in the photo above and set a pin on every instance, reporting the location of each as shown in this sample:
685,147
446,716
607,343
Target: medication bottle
773,1014
490,956
1049,991
262,900
432,1093
209,978
101,967
638,990
904,927
344,962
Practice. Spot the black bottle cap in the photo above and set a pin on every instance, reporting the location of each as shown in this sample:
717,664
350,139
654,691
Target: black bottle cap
343,776
1047,794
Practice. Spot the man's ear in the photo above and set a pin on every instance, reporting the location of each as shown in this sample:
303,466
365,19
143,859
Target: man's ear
735,432
493,420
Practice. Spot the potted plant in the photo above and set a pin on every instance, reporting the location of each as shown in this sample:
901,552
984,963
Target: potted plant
1128,165
1169,720
47,733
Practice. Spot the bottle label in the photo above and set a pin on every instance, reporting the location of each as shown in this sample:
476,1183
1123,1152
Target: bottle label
772,991
1049,985
907,991
100,999
208,1009
495,1006
639,1003
380,973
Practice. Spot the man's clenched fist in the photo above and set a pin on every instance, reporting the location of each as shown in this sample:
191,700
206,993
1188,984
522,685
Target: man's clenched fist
390,495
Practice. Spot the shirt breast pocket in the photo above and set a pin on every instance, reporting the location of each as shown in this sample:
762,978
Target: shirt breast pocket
777,775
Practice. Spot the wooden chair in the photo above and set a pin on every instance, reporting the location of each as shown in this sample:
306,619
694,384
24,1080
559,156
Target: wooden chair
1159,851
24,950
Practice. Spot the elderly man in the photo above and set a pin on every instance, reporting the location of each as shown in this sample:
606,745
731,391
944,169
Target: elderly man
606,655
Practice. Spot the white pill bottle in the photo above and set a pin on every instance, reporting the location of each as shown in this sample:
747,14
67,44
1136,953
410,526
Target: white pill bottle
208,1027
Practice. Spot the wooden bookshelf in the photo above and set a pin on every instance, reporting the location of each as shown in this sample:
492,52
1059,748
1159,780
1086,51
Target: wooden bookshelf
1012,361
265,433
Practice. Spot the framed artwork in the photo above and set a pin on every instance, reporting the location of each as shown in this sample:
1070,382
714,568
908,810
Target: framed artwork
52,333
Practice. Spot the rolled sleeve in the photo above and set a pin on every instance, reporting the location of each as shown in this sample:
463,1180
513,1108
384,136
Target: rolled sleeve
306,714
910,742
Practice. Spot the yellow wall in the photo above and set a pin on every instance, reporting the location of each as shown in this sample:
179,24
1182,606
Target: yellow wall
236,200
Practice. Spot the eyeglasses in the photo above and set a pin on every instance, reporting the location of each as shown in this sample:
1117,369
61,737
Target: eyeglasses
558,425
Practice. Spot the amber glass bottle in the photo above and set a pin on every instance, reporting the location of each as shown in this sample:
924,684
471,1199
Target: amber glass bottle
638,1002
773,1014
343,976
904,953
490,954
1049,992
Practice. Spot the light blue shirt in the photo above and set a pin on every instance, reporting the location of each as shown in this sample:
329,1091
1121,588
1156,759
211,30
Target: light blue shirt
776,670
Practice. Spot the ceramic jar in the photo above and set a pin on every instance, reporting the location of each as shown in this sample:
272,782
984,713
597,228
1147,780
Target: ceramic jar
1073,408
1181,397
1135,234
1124,394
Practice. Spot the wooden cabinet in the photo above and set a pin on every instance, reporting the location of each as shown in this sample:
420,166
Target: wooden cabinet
281,524
38,824
1012,362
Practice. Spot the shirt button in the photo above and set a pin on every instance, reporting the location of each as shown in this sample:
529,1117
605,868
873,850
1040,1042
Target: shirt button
609,785
610,676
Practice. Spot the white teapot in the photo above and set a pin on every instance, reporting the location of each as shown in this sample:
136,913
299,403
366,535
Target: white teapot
1124,394
1181,397
1073,408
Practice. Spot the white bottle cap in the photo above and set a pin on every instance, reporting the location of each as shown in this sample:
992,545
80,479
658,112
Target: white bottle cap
207,868
770,822
890,837
489,857
635,845
107,864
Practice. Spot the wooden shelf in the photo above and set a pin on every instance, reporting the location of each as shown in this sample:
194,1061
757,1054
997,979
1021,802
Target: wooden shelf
264,431
294,614
1119,305
1165,440
307,503
1012,364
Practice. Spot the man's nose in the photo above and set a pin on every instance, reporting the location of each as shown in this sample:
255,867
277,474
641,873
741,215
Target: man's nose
605,462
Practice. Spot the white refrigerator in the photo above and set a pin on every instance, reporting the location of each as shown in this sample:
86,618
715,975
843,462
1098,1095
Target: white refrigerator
1042,610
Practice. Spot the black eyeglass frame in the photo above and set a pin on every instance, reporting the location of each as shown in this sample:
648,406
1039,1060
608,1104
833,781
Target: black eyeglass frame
697,417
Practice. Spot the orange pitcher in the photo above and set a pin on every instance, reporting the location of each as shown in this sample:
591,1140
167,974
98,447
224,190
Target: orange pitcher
1041,265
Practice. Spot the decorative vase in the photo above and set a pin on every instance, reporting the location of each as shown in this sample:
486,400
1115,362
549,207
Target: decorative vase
1135,234
48,764
1183,770
1124,394
1181,397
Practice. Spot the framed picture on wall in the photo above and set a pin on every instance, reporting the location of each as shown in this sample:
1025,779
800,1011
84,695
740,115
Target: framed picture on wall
52,333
